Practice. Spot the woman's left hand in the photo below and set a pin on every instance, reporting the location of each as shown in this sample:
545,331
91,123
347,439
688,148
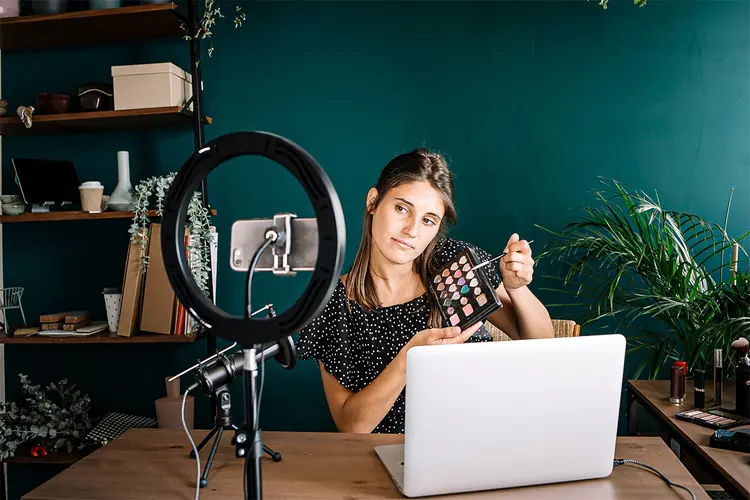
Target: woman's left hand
517,267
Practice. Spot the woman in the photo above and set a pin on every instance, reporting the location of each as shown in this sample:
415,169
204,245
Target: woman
382,307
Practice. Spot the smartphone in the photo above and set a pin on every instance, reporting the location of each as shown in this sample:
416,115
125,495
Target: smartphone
249,235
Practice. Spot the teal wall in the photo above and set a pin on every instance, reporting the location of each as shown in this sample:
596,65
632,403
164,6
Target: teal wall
531,101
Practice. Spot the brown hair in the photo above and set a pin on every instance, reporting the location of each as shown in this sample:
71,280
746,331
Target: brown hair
416,166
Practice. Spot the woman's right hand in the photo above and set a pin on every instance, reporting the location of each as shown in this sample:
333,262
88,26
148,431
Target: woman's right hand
437,336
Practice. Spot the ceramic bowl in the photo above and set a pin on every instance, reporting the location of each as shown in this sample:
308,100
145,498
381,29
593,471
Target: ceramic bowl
11,198
51,104
13,208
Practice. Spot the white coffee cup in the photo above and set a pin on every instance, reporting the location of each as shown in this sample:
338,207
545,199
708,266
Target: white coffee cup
91,196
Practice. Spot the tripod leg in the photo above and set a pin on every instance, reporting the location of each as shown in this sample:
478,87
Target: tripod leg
275,455
205,440
210,461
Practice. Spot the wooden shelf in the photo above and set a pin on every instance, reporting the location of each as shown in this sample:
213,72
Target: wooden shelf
22,456
102,338
98,120
88,27
70,215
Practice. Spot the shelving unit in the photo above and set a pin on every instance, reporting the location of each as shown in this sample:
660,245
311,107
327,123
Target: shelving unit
69,215
140,22
93,121
22,456
102,338
106,26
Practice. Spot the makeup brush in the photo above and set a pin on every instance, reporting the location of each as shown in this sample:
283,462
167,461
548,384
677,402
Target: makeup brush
493,259
741,346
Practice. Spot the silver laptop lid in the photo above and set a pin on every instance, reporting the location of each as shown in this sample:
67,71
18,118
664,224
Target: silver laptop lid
503,414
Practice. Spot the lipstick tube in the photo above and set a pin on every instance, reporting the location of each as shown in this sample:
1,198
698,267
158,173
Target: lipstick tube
676,389
684,375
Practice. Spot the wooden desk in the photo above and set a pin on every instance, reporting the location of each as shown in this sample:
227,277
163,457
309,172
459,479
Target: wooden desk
154,464
731,468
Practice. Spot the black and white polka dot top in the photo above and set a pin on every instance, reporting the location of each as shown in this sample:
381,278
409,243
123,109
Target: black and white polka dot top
355,345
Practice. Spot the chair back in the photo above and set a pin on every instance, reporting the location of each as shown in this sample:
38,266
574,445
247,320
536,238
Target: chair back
561,327
10,298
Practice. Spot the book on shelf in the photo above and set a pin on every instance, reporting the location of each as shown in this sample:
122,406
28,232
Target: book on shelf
149,302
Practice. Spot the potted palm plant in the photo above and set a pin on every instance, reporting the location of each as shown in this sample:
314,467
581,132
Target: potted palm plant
661,276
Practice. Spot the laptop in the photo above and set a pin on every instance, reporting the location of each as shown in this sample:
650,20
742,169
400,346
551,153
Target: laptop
493,415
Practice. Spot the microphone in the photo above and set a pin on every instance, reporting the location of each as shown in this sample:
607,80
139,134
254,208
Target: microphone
223,369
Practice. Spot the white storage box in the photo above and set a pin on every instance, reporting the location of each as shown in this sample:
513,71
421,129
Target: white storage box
156,85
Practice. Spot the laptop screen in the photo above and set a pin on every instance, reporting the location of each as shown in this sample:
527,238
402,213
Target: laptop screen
47,181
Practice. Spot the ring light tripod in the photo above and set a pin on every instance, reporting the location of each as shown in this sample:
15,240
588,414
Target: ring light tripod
251,333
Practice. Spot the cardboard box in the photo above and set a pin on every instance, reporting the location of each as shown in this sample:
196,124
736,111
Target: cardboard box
157,85
158,310
132,291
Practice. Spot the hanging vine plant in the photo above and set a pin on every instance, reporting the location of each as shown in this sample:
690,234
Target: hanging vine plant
639,3
210,15
199,225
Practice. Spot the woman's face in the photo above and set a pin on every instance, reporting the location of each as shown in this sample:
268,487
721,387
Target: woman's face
406,221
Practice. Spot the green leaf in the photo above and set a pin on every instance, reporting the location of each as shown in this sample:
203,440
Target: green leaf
629,261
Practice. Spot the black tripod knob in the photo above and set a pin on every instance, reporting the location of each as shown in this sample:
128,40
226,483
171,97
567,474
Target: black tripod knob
275,455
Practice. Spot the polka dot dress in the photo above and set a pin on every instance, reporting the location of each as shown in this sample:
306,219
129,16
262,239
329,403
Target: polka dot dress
355,345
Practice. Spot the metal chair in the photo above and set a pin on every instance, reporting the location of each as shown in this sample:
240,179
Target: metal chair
10,298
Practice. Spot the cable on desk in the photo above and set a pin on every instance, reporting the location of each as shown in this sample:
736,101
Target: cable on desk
192,443
620,461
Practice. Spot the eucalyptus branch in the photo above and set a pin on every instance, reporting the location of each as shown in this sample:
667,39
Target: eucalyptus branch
56,416
199,226
211,13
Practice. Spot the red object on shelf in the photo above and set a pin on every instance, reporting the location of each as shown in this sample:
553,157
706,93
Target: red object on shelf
39,451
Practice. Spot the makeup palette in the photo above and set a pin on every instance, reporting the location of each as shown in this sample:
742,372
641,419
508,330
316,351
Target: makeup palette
465,296
715,418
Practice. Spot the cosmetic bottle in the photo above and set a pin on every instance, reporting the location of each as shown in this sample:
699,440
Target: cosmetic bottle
684,375
676,389
718,377
742,379
699,389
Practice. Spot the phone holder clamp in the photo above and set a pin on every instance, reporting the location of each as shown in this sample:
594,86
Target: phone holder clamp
282,246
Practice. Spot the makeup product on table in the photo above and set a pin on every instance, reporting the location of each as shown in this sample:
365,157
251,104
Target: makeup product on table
465,295
676,390
742,379
718,377
684,375
738,440
699,389
714,418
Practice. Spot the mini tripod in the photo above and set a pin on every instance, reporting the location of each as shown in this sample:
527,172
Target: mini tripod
223,422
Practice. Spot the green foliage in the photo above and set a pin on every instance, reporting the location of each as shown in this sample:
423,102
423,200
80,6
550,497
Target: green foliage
210,15
639,3
199,225
630,260
56,416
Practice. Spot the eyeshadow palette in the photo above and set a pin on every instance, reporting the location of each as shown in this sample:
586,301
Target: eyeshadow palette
715,418
465,296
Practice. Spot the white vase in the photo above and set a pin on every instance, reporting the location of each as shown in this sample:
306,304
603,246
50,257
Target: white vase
121,198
